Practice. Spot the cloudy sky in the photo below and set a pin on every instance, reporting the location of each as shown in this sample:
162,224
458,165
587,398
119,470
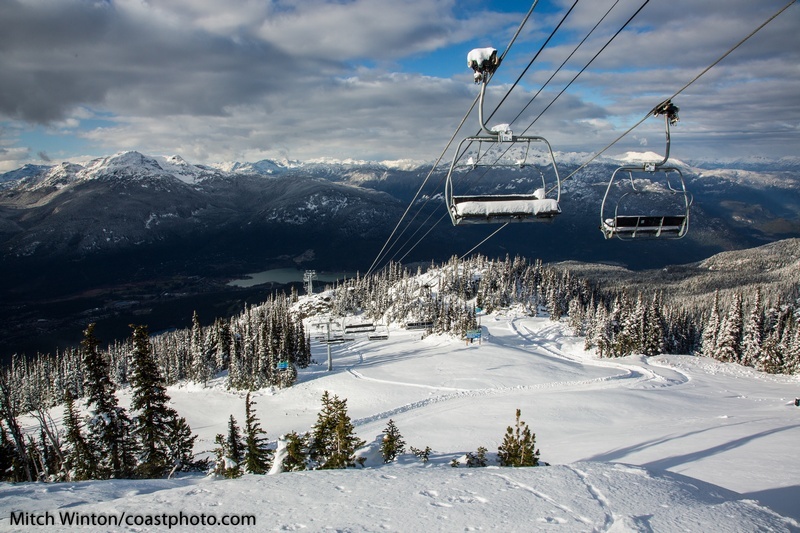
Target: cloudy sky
245,80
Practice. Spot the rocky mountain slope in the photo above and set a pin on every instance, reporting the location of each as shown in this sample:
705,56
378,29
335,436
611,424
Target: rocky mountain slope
131,233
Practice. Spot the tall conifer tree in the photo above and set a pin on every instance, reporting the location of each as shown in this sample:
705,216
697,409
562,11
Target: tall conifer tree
109,425
257,457
164,438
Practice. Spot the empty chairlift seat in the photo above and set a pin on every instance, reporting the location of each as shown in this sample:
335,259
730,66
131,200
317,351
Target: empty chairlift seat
648,200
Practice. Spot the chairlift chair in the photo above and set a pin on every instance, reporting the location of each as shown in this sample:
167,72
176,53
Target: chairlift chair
380,333
649,200
496,149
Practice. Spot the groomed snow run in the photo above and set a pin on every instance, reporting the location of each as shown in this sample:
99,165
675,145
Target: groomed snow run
663,444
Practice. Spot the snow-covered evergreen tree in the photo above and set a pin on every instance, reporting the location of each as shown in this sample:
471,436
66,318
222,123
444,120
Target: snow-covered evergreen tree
229,452
109,427
333,439
157,427
201,356
653,330
257,456
753,336
15,446
729,340
708,347
78,457
295,452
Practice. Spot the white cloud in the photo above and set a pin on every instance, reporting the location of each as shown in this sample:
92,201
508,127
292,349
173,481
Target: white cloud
322,78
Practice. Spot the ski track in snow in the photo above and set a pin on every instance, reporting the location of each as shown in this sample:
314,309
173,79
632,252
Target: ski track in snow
597,495
630,376
566,509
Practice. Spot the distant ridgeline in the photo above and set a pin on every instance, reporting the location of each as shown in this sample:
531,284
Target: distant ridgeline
264,345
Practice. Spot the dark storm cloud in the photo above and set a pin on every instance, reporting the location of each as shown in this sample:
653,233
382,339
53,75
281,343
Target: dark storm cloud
57,55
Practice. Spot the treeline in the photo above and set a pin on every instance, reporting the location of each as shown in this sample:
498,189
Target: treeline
446,296
152,441
763,335
262,346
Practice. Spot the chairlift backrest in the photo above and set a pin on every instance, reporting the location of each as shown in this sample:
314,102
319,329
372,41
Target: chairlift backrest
658,206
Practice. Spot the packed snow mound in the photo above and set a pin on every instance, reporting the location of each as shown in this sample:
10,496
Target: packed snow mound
402,497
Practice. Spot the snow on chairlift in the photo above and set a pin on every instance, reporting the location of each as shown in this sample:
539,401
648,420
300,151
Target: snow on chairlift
648,200
495,154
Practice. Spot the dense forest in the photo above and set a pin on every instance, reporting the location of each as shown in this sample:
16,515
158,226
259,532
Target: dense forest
266,344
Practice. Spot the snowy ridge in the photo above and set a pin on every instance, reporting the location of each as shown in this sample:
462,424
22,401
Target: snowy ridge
405,497
133,164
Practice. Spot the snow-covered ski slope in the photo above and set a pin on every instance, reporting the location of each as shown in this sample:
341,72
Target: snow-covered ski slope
669,443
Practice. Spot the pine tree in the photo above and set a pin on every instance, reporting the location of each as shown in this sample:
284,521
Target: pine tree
220,456
257,457
477,459
7,456
392,444
771,357
202,359
180,447
234,450
296,457
653,329
753,337
157,425
729,341
21,465
79,458
601,334
333,439
519,446
108,426
708,347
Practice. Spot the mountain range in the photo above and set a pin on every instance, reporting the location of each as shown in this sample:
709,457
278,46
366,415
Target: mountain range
131,236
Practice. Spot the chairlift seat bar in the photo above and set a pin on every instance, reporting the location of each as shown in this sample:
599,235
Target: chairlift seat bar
358,328
647,225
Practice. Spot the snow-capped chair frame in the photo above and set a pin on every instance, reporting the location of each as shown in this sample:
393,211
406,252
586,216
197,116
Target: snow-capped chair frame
498,148
657,207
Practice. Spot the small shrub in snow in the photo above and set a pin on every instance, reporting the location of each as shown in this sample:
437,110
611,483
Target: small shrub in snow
519,446
393,443
422,454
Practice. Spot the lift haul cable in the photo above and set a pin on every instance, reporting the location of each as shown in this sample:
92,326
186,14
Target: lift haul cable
533,59
598,154
679,91
510,44
495,232
589,63
501,155
519,78
574,51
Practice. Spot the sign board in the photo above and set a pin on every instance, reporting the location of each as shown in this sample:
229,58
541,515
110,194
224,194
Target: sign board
283,365
473,334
